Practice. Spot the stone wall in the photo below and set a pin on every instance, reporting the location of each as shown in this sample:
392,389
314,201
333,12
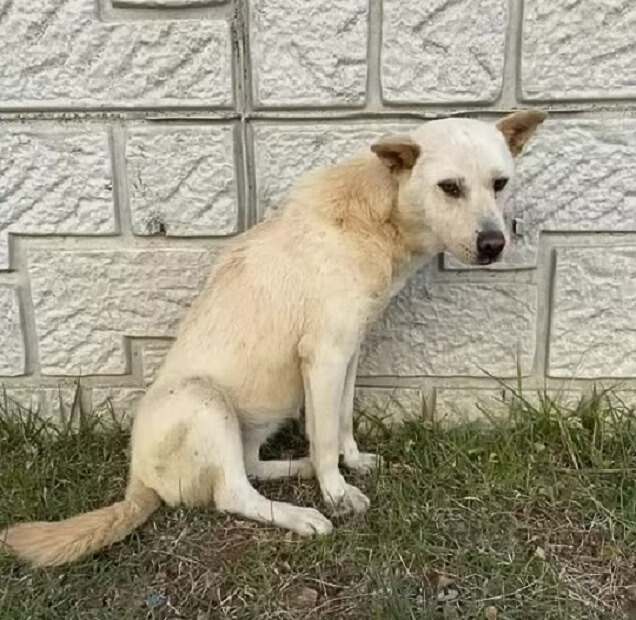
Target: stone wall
136,136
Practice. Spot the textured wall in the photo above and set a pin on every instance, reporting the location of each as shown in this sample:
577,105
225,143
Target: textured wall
135,135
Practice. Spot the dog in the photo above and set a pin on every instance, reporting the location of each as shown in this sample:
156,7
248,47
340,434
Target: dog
279,323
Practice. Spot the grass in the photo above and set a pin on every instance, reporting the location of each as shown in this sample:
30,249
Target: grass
530,518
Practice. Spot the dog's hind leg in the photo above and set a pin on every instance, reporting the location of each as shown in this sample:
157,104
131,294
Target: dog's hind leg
254,436
196,456
236,495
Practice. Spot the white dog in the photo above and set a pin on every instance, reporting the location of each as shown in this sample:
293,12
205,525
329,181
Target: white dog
280,322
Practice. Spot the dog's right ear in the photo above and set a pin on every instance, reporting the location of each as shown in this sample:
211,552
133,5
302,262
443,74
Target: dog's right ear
397,152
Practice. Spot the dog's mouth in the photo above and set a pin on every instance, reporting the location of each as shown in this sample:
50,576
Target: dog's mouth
485,261
477,260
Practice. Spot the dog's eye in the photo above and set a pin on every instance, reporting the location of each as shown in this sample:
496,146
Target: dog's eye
499,184
450,188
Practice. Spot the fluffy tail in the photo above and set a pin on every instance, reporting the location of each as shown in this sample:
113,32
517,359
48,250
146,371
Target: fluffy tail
60,542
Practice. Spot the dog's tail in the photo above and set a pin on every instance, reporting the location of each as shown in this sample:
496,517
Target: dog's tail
60,542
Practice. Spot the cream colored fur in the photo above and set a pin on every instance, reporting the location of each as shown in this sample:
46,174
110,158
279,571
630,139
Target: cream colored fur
279,324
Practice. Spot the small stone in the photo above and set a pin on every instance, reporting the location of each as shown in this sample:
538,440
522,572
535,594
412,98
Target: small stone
306,597
444,581
448,595
156,599
630,603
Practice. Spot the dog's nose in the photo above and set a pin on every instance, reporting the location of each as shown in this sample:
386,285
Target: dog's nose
490,243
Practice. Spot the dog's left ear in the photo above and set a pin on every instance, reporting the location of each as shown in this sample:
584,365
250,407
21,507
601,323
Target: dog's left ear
519,126
397,152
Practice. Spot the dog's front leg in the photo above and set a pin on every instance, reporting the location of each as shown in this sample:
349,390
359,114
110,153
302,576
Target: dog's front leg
361,462
324,379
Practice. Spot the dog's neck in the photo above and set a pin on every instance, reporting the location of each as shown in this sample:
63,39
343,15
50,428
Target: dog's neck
361,195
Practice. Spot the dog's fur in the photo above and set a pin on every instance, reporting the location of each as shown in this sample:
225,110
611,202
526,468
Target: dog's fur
279,323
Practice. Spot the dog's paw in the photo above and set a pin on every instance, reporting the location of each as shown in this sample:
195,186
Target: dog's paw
346,500
309,522
363,462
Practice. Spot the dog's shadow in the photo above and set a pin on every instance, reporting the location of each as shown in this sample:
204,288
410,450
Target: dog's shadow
288,443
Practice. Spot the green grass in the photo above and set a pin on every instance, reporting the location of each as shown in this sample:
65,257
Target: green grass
531,518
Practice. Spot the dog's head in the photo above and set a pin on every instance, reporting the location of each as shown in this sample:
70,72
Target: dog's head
453,176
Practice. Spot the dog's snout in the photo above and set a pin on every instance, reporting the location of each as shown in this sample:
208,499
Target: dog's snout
490,243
